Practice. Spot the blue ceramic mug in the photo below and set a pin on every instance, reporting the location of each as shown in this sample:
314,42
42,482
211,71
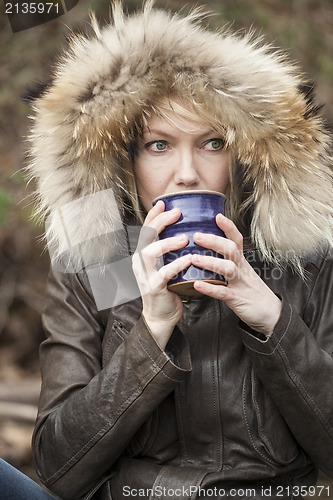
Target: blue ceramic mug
198,212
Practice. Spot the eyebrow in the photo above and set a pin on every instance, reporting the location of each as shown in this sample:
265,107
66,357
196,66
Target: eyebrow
157,131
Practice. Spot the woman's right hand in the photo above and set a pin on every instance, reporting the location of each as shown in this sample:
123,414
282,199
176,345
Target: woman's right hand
162,309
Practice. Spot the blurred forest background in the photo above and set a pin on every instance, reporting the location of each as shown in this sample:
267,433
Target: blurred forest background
303,28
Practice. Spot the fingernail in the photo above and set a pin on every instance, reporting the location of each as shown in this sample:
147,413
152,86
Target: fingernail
182,237
199,285
198,236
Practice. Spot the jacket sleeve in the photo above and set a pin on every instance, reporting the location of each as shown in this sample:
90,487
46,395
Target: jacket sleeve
296,366
88,412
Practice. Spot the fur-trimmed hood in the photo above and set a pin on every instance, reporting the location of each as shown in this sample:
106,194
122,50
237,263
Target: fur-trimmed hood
87,118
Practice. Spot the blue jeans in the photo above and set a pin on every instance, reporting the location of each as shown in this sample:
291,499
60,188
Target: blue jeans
16,486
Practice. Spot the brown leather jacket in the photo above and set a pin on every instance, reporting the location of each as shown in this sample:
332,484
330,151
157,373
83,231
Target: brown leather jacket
220,408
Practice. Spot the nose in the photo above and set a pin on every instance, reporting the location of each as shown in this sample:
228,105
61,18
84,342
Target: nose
186,171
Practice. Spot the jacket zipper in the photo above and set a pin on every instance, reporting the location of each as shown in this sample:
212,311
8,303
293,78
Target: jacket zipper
118,327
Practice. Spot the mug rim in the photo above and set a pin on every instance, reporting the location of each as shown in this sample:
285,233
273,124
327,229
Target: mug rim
190,192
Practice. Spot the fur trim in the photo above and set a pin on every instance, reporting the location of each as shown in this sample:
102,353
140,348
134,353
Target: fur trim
86,119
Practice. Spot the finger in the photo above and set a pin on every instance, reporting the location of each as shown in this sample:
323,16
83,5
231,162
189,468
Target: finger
230,230
158,214
149,233
170,270
156,281
158,208
146,262
224,267
163,219
160,247
219,244
219,292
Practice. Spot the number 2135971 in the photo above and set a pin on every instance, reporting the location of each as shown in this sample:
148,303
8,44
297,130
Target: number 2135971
32,8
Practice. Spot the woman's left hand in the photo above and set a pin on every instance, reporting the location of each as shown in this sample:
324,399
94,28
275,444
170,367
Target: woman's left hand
246,294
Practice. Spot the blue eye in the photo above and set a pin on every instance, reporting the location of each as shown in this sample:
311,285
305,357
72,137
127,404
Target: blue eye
157,146
214,144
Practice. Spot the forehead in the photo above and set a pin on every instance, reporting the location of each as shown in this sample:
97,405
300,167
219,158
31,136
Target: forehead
172,123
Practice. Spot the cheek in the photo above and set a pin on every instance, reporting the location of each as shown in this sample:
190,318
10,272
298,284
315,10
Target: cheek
151,174
141,173
222,173
146,183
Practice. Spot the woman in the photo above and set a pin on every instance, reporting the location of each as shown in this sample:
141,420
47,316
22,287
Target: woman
145,393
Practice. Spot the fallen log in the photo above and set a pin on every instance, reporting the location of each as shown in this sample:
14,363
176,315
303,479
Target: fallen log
18,411
26,392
